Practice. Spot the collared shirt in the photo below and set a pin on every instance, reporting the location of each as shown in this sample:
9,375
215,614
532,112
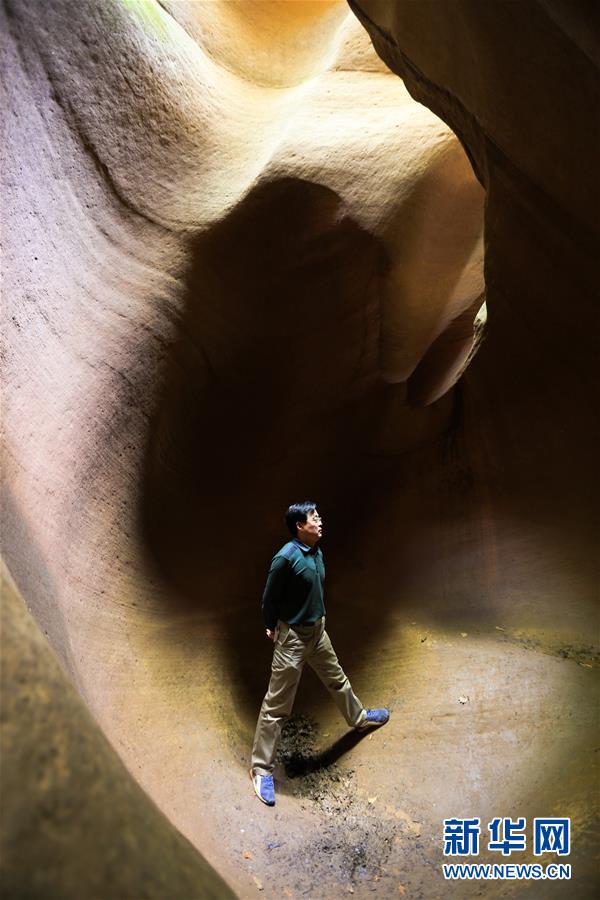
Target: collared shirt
294,588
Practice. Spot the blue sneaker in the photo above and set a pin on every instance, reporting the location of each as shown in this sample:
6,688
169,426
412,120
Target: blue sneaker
373,718
264,787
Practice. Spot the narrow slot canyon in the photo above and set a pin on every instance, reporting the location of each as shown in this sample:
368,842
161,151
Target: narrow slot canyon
258,252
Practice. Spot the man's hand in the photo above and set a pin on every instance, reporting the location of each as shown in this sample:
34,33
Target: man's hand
270,634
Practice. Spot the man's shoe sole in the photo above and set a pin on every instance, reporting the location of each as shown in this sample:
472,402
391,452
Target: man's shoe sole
369,725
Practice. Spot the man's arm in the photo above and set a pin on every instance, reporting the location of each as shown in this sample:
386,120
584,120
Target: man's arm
273,593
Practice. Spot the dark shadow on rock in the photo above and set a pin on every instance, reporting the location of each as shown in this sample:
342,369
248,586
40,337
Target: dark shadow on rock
277,348
299,764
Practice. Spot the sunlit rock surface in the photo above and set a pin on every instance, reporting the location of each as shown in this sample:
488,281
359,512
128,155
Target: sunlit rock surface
242,265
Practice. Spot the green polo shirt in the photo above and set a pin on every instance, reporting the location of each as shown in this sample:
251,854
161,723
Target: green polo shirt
294,588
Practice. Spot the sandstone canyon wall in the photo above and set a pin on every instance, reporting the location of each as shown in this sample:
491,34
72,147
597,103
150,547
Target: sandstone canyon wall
243,265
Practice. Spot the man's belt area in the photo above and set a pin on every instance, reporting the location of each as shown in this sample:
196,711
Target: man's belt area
305,624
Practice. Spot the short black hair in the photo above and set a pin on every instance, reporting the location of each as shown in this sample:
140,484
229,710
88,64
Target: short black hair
298,512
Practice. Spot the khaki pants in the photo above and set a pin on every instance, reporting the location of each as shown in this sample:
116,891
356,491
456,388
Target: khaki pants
295,645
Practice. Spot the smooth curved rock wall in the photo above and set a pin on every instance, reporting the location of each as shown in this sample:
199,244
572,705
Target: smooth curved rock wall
242,265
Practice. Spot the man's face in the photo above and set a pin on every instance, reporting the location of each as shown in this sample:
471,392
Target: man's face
311,531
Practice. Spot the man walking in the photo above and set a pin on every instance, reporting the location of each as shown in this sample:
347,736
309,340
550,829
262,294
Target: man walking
294,616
